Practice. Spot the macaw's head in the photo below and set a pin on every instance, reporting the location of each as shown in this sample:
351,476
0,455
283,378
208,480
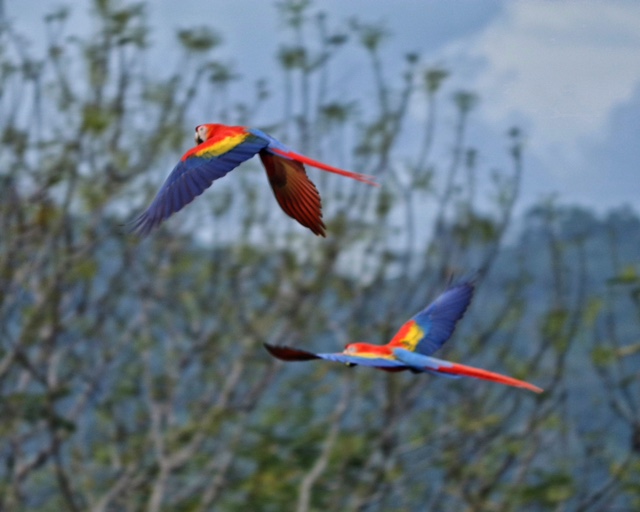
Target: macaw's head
353,349
204,132
366,350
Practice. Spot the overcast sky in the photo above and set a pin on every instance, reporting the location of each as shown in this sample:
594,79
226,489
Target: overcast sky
567,71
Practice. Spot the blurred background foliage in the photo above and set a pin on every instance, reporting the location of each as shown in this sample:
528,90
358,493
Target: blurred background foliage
132,374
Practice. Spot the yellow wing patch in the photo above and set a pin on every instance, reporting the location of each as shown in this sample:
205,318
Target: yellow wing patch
213,147
408,337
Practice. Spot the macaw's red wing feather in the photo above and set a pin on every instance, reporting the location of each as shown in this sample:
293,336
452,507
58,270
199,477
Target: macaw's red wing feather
364,178
294,191
470,371
289,353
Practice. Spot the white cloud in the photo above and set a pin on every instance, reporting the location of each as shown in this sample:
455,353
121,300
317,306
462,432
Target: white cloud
561,66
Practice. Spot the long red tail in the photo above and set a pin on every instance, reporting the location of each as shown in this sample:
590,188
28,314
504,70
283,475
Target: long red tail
364,178
470,371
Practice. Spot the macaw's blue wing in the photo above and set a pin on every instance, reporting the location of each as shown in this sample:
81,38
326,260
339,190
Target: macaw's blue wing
196,171
429,329
293,354
438,320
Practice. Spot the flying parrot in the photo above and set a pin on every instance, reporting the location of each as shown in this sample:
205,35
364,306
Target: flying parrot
220,149
412,346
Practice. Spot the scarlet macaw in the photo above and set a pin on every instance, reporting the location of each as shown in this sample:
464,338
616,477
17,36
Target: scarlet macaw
220,149
412,346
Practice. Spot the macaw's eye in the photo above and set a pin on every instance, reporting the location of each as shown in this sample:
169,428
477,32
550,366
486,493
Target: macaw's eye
201,133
